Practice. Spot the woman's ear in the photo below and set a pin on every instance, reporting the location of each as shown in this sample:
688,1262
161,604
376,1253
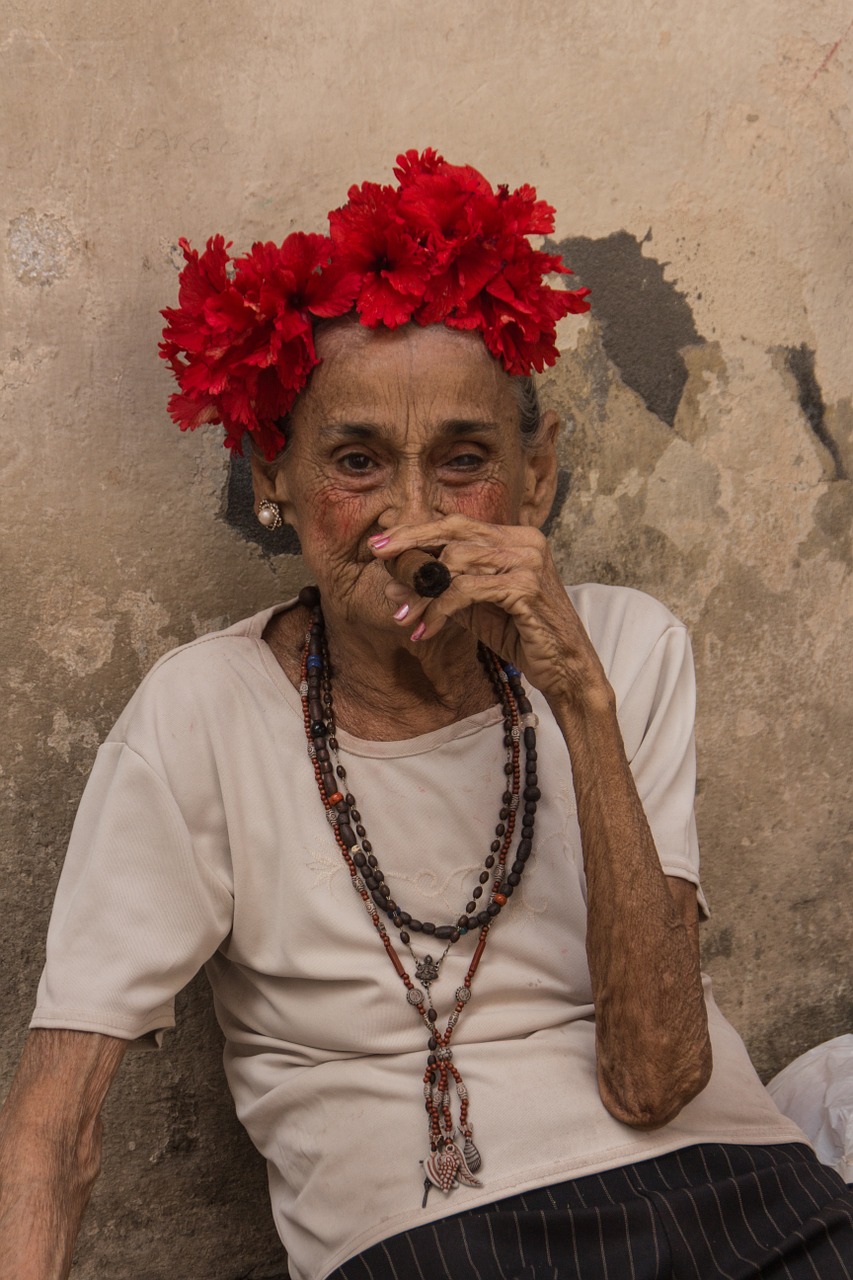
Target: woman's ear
540,473
269,482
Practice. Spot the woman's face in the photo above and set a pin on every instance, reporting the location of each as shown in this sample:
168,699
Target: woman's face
397,428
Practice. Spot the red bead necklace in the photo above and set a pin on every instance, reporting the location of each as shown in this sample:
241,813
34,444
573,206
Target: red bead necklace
448,1163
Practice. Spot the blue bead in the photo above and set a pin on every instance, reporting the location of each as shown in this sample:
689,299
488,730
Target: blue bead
512,672
314,663
463,928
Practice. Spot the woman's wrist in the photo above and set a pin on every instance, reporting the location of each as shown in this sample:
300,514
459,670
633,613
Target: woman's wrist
584,704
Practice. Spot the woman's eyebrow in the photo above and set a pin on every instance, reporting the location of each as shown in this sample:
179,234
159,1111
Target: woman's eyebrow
467,426
453,427
348,431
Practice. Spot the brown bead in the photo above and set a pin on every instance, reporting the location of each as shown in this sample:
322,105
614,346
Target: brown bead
309,597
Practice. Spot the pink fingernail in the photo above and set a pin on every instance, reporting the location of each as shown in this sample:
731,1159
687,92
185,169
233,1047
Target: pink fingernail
379,542
418,631
401,613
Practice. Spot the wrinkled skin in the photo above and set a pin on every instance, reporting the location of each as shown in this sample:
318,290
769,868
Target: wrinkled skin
414,436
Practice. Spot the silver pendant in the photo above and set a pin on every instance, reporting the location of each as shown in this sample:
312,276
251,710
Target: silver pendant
426,970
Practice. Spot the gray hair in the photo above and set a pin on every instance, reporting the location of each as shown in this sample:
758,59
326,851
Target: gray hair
529,411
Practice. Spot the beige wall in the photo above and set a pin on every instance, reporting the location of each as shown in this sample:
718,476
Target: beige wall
699,159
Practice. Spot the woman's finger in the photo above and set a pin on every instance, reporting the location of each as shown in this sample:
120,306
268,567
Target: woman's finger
448,529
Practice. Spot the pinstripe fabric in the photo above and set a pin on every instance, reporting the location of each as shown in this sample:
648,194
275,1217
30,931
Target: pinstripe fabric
710,1212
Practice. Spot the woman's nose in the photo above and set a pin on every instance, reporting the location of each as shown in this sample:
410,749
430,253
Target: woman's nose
413,499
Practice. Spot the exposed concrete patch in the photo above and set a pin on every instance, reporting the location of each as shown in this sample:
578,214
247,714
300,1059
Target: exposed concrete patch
171,253
682,496
147,618
73,630
66,736
839,424
203,626
19,366
41,248
707,378
645,320
833,526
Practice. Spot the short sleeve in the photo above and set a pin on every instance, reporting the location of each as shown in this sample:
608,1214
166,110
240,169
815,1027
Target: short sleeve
656,716
138,910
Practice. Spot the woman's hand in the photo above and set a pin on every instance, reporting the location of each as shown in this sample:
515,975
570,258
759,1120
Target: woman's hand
506,590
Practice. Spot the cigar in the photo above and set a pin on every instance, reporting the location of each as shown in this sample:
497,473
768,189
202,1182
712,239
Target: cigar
422,572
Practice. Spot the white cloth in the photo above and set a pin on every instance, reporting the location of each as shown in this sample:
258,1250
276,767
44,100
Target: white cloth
201,839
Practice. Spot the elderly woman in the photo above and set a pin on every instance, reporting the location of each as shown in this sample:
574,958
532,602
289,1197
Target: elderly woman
428,826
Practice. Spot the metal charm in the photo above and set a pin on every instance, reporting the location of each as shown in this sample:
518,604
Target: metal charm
426,970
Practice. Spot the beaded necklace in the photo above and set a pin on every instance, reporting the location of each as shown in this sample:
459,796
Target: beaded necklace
448,1164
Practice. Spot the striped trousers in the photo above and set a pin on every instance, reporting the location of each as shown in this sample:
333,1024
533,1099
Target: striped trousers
710,1212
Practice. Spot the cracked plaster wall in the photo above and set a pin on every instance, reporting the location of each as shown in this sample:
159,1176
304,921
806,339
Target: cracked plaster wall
699,159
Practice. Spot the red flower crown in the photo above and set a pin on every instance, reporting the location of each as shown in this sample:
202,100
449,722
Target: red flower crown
442,247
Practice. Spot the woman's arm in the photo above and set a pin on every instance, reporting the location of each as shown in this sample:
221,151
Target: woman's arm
50,1148
653,1046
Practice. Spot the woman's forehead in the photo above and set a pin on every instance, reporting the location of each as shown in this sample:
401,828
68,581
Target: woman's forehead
434,368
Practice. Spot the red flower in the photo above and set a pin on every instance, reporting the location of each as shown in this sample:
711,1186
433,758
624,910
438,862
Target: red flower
412,162
442,247
517,313
242,345
371,238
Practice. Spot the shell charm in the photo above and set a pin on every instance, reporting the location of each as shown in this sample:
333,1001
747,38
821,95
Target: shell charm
473,1159
445,1169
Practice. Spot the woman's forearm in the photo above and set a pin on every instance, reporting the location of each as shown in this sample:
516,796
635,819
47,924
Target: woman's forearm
42,1199
653,1050
50,1146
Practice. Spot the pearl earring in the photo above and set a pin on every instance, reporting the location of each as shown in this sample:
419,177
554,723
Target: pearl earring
269,514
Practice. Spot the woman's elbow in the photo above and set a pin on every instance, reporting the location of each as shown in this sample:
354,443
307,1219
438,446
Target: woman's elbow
651,1099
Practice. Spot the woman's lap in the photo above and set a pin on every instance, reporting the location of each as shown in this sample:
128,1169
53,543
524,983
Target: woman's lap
712,1212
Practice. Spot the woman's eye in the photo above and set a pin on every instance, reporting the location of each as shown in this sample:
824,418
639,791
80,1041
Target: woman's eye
359,462
465,461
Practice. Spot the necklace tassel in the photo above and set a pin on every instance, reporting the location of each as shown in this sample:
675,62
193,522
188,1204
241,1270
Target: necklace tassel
448,1163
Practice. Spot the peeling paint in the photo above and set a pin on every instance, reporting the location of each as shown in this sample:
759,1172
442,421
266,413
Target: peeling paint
146,618
645,320
41,248
19,366
65,736
74,631
800,363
